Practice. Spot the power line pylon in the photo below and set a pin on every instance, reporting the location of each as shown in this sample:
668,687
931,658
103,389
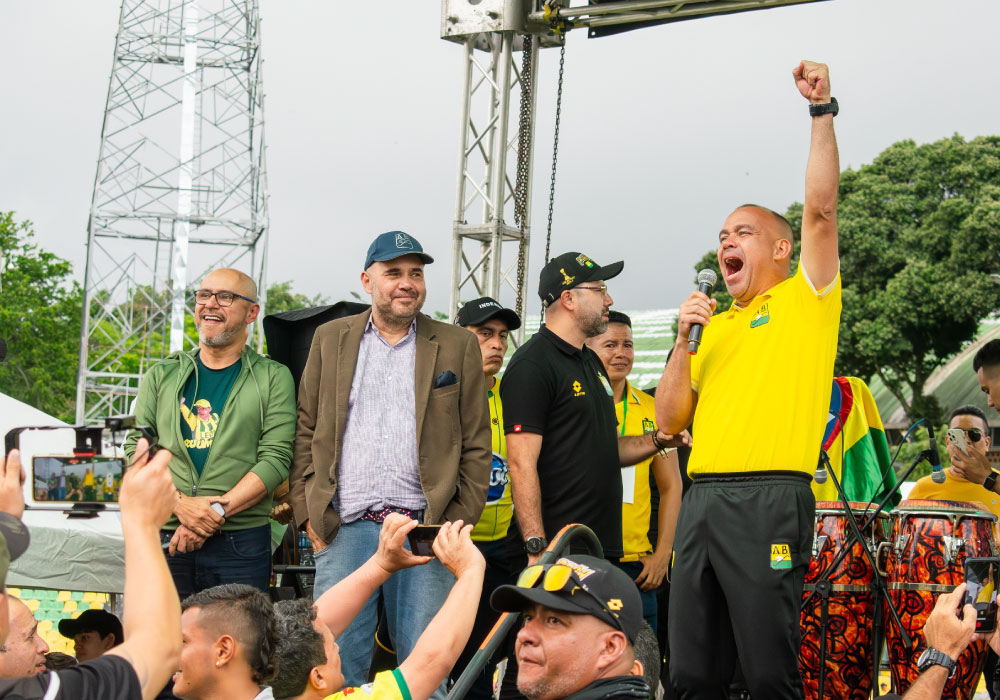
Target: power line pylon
180,189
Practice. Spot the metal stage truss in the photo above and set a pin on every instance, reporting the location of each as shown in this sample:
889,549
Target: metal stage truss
180,188
491,33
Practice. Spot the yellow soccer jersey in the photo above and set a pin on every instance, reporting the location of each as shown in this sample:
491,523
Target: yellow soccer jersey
388,685
763,377
956,489
636,415
495,520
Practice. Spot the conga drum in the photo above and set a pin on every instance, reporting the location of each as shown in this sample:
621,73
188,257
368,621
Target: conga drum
846,664
929,542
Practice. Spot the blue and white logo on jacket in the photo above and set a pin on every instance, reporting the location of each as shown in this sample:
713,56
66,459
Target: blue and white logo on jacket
499,478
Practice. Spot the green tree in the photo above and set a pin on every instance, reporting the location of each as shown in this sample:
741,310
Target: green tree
40,310
919,248
280,298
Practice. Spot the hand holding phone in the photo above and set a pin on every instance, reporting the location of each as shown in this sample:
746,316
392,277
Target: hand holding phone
421,538
981,590
957,437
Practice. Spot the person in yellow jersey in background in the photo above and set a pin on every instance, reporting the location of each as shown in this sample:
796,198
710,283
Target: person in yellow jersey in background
491,323
636,412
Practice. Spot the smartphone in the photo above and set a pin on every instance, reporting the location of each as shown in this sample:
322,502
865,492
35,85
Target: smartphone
957,437
421,537
76,479
981,590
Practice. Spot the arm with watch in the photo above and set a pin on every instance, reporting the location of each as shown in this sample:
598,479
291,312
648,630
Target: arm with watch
522,462
973,466
947,637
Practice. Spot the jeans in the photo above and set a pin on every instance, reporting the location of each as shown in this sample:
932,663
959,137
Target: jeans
412,597
648,598
234,556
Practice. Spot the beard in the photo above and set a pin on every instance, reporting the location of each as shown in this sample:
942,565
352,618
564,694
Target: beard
391,318
592,324
220,340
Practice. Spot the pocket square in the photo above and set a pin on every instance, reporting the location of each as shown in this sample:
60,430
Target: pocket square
446,378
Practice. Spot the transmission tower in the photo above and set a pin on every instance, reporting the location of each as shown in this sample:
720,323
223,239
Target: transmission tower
181,186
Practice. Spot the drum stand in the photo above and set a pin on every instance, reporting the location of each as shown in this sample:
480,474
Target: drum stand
824,587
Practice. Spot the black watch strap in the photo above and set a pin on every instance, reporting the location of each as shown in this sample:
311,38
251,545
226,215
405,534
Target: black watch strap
990,481
535,545
830,107
935,657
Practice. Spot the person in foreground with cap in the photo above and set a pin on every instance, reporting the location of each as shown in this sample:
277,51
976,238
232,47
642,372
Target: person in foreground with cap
491,323
93,633
141,666
581,618
392,418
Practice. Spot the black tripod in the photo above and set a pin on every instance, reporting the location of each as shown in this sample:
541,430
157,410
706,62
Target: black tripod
823,587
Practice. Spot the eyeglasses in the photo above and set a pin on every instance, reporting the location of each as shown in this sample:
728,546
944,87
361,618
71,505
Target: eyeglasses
559,577
603,289
223,298
975,434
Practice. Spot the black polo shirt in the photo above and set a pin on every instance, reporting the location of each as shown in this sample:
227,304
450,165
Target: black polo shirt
554,390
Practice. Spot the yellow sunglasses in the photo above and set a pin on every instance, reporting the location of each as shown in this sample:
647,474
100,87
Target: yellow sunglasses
556,578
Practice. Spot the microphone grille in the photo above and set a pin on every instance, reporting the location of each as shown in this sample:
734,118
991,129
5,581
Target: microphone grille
707,276
937,476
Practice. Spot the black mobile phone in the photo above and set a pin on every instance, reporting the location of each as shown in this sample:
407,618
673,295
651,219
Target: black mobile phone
981,590
73,479
421,537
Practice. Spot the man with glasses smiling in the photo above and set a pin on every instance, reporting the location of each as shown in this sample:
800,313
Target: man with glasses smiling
228,416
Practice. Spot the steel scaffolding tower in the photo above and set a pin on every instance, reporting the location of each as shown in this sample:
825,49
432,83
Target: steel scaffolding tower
180,189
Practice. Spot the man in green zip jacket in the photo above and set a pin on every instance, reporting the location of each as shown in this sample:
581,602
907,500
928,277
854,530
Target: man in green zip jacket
228,416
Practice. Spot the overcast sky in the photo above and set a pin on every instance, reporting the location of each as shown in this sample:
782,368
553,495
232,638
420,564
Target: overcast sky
664,129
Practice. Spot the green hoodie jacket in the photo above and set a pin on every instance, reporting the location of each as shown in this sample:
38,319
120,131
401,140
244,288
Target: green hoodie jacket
255,433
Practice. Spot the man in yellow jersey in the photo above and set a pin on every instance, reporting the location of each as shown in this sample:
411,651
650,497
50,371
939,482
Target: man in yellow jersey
636,413
758,390
491,323
307,654
972,422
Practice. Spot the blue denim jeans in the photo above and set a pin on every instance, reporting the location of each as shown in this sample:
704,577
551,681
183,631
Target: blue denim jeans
412,597
648,598
236,556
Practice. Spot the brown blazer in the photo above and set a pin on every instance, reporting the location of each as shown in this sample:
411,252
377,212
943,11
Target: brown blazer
453,422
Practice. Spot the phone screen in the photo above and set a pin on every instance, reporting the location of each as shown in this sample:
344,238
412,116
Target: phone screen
71,479
981,590
421,537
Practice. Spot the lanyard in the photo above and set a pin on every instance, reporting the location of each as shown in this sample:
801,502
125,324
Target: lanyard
493,398
625,408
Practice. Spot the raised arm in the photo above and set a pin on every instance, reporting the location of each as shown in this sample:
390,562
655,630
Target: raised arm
442,641
152,619
820,257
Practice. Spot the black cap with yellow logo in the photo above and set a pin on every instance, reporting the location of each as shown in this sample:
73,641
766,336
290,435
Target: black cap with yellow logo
570,269
591,586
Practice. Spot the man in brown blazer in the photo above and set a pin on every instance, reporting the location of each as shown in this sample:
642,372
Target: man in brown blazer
392,417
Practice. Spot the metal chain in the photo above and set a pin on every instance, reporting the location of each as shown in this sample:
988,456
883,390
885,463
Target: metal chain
555,154
523,164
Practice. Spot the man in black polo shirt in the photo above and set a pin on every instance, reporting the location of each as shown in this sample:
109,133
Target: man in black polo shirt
563,448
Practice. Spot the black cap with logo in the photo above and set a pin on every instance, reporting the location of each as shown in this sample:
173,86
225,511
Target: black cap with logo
570,269
100,621
483,309
619,606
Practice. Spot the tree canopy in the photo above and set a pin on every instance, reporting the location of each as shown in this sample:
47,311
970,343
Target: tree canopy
919,251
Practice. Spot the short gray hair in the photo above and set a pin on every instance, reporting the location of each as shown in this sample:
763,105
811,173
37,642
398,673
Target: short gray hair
299,650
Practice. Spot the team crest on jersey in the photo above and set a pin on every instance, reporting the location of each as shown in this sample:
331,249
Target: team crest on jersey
607,385
648,426
578,389
762,316
781,556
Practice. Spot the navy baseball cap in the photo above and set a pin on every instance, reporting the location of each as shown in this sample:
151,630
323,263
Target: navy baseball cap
395,244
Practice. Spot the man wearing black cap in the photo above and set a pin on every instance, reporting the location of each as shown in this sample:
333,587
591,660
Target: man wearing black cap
491,323
392,418
93,633
564,452
581,618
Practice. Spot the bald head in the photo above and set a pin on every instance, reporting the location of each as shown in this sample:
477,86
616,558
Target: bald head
779,225
232,280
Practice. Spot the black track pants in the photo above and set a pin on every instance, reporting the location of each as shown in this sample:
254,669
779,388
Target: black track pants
741,552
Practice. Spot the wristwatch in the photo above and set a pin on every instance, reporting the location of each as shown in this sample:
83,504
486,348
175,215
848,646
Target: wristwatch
830,107
934,657
990,481
535,545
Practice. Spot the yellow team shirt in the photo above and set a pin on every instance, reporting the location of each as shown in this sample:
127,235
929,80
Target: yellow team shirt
388,685
763,377
956,489
636,416
495,520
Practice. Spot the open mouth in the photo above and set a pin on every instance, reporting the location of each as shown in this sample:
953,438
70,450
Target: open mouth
732,265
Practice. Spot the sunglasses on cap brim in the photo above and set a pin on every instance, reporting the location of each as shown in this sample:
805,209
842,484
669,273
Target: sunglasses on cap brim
556,578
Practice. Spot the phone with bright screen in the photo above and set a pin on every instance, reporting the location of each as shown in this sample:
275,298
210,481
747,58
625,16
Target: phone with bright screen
71,479
981,590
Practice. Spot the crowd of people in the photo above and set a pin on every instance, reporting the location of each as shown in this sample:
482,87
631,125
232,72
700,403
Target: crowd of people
402,422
